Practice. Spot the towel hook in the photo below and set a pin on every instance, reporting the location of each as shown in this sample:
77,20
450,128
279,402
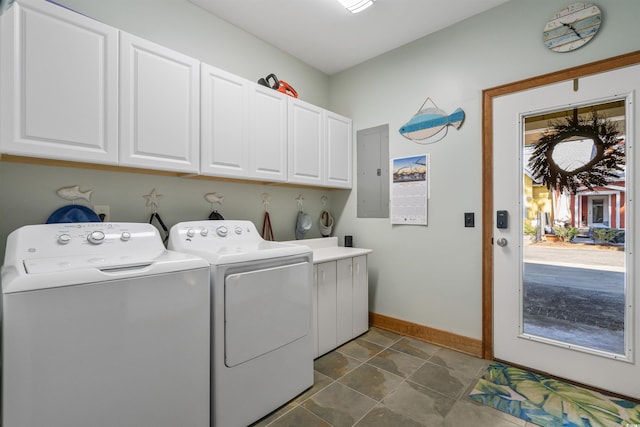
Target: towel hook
266,199
300,201
153,200
214,198
73,193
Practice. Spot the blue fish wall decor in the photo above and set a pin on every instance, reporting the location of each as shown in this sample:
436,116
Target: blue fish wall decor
431,124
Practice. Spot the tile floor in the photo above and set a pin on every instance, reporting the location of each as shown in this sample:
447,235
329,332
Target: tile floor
387,380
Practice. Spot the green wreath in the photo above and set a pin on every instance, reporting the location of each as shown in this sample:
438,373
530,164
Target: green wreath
606,164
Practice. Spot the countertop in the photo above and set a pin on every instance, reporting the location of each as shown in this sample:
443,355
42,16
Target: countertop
326,249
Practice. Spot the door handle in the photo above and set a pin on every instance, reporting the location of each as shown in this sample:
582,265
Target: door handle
502,242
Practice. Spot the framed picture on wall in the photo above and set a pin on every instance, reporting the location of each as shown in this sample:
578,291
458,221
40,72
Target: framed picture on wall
409,190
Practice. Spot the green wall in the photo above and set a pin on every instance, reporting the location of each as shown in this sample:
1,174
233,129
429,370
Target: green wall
432,275
427,275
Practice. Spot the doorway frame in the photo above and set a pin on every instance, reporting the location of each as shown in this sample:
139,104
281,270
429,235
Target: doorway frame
573,73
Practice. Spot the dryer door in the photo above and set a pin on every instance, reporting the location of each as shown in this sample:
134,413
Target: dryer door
266,309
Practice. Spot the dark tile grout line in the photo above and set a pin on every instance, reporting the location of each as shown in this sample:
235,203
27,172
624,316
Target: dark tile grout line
378,402
335,380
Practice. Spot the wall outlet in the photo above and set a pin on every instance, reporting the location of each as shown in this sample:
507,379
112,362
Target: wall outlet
103,212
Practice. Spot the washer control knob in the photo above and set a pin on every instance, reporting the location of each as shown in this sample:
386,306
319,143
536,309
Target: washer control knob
63,239
125,236
204,232
238,230
96,237
191,232
222,231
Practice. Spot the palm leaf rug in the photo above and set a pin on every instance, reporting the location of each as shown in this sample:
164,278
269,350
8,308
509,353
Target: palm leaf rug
549,402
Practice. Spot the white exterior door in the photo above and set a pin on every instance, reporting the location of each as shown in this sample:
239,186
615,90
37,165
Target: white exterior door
570,355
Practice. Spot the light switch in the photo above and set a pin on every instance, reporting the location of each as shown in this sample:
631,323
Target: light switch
469,219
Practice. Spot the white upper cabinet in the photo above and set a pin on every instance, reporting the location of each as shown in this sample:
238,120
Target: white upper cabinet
339,149
59,84
268,134
306,143
75,89
225,124
159,107
320,146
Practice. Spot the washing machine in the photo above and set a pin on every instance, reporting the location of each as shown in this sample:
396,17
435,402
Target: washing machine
103,327
262,350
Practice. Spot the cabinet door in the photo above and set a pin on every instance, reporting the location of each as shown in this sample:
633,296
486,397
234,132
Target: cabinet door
59,83
326,307
338,151
360,295
306,143
268,138
159,106
344,301
314,313
225,124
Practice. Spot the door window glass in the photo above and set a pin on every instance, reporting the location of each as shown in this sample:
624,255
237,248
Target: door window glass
574,192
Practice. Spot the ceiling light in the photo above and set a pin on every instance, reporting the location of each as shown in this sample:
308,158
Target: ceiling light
355,6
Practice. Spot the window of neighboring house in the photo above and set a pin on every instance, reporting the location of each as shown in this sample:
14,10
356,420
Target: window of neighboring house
597,211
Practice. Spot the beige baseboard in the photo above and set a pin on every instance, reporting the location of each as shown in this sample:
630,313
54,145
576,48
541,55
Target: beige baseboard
450,340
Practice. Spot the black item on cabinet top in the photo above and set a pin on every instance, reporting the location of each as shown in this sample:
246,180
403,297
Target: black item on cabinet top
271,77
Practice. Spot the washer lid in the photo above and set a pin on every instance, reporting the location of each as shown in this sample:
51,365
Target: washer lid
49,273
105,263
52,255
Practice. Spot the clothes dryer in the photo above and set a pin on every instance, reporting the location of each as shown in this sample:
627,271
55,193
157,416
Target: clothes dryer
103,327
262,354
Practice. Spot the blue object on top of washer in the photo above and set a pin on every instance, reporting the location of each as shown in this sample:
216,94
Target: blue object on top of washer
73,213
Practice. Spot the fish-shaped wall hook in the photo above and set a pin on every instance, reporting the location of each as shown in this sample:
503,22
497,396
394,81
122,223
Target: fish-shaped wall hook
73,193
214,198
430,124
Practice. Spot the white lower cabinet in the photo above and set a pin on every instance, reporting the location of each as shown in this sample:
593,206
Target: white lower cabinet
344,300
327,308
159,107
341,305
360,295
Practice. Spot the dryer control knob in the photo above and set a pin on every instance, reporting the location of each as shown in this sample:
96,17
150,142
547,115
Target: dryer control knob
96,237
238,230
190,232
63,239
125,236
222,231
204,232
